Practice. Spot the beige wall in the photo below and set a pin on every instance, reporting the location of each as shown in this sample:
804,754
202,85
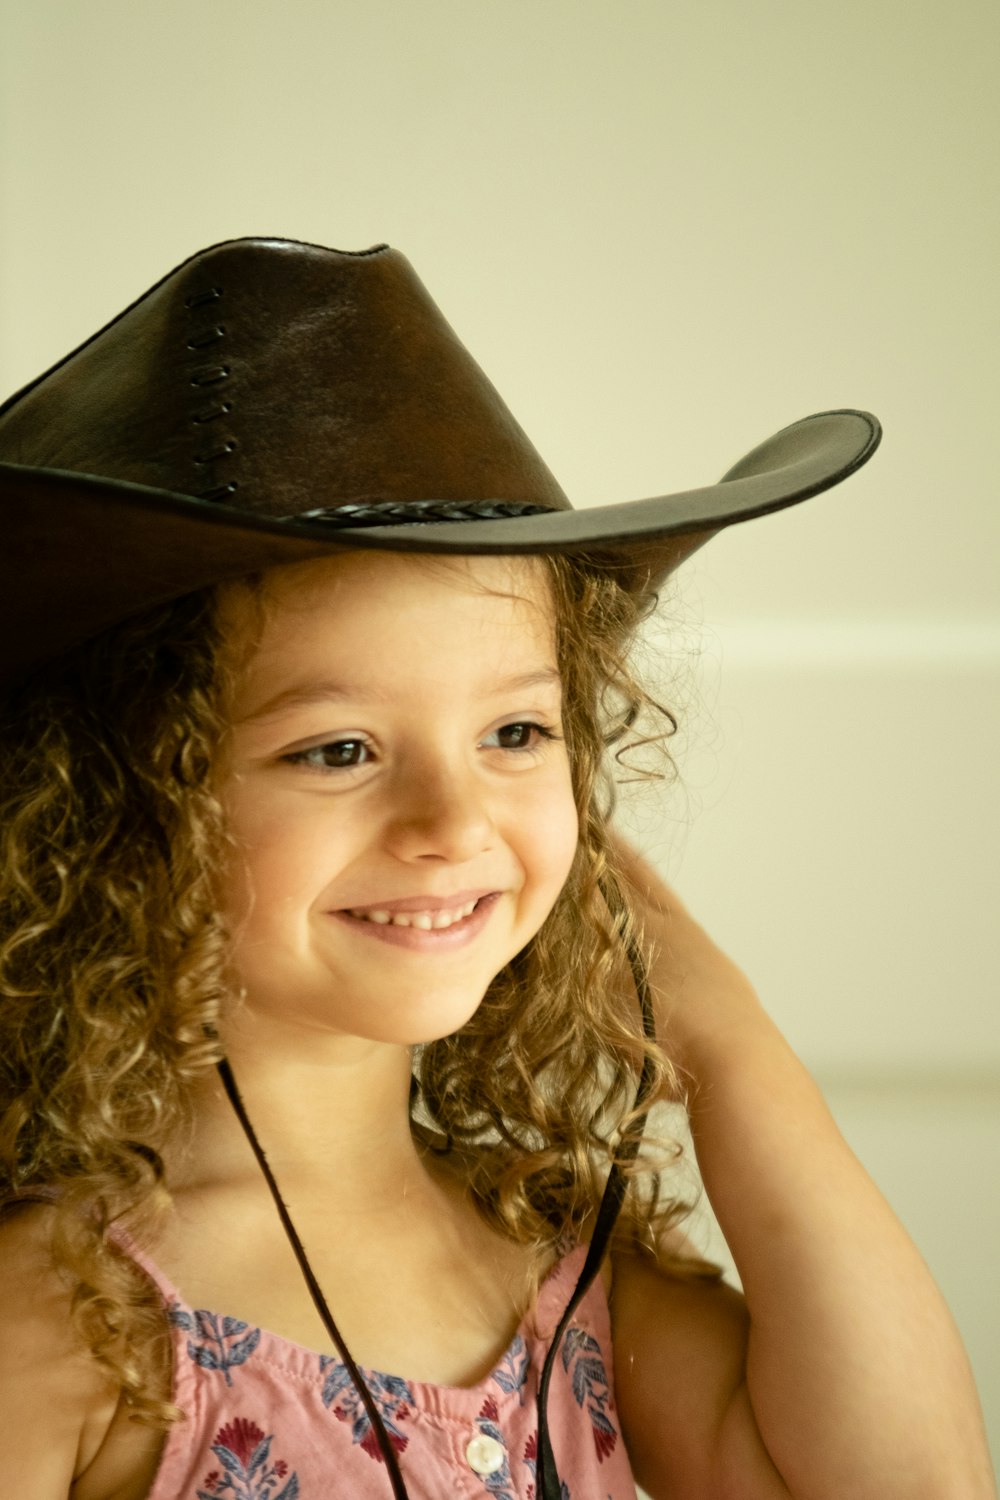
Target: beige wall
665,229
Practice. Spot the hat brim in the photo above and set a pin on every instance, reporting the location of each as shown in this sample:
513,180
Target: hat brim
81,553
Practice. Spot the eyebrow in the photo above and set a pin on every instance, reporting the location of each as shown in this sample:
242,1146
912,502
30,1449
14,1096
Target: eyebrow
324,691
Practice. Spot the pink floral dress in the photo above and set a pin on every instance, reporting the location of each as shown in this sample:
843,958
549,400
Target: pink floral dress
267,1419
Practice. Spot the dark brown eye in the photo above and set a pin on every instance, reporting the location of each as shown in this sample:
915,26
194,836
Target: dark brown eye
338,755
521,735
515,736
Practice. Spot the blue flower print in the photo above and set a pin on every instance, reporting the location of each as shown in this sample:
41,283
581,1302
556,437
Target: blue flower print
582,1354
244,1451
220,1343
512,1371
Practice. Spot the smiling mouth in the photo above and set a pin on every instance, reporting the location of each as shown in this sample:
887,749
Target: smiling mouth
424,921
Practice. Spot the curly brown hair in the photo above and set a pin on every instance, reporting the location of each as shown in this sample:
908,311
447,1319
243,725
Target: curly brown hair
113,959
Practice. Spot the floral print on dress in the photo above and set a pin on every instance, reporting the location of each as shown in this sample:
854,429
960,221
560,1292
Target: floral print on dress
497,1484
531,1462
219,1343
269,1419
581,1355
246,1473
391,1395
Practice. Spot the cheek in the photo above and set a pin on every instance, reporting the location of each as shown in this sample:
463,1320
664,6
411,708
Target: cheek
552,833
275,864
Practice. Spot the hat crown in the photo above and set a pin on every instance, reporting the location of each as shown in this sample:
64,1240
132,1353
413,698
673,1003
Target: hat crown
270,402
276,377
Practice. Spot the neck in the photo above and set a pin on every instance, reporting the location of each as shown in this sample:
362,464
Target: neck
331,1114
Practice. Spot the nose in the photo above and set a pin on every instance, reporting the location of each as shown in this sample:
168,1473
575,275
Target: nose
442,812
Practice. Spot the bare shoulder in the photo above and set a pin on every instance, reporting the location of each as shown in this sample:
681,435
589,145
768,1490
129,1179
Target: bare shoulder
53,1394
680,1343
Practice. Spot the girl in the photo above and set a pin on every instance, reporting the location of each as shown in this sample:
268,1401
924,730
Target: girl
328,1031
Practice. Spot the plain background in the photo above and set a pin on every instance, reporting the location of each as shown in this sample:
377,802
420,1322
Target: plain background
665,230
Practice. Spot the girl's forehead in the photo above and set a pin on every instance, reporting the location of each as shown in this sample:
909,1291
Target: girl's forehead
348,589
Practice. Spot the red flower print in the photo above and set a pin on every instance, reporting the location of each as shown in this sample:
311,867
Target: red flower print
241,1437
604,1442
244,1452
370,1444
392,1396
531,1449
490,1410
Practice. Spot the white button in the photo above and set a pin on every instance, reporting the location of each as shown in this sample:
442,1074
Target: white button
484,1454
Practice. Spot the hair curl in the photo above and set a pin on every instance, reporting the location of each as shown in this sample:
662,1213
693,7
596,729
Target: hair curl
113,960
111,951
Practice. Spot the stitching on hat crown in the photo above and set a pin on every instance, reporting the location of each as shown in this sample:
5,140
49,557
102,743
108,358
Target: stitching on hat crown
225,445
208,338
199,299
220,451
212,413
213,375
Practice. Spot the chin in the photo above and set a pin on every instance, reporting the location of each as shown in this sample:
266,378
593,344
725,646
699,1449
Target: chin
430,1022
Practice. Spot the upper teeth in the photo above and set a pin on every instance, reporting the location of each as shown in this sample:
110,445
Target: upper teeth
428,921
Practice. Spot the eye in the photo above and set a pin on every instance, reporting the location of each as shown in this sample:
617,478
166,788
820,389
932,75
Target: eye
335,755
523,734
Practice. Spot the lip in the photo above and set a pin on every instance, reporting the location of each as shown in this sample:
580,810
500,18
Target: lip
421,903
415,939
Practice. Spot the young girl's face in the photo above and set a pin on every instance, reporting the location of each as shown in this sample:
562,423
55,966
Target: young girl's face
397,787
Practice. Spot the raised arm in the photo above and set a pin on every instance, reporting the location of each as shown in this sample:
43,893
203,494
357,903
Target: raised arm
845,1377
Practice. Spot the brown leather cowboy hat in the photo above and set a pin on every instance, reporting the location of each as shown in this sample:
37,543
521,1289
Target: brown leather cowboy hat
270,401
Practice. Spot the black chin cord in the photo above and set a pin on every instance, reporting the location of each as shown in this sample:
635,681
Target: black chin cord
548,1483
387,1451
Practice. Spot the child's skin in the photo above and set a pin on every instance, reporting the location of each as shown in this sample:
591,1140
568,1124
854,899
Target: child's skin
841,1376
850,1378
